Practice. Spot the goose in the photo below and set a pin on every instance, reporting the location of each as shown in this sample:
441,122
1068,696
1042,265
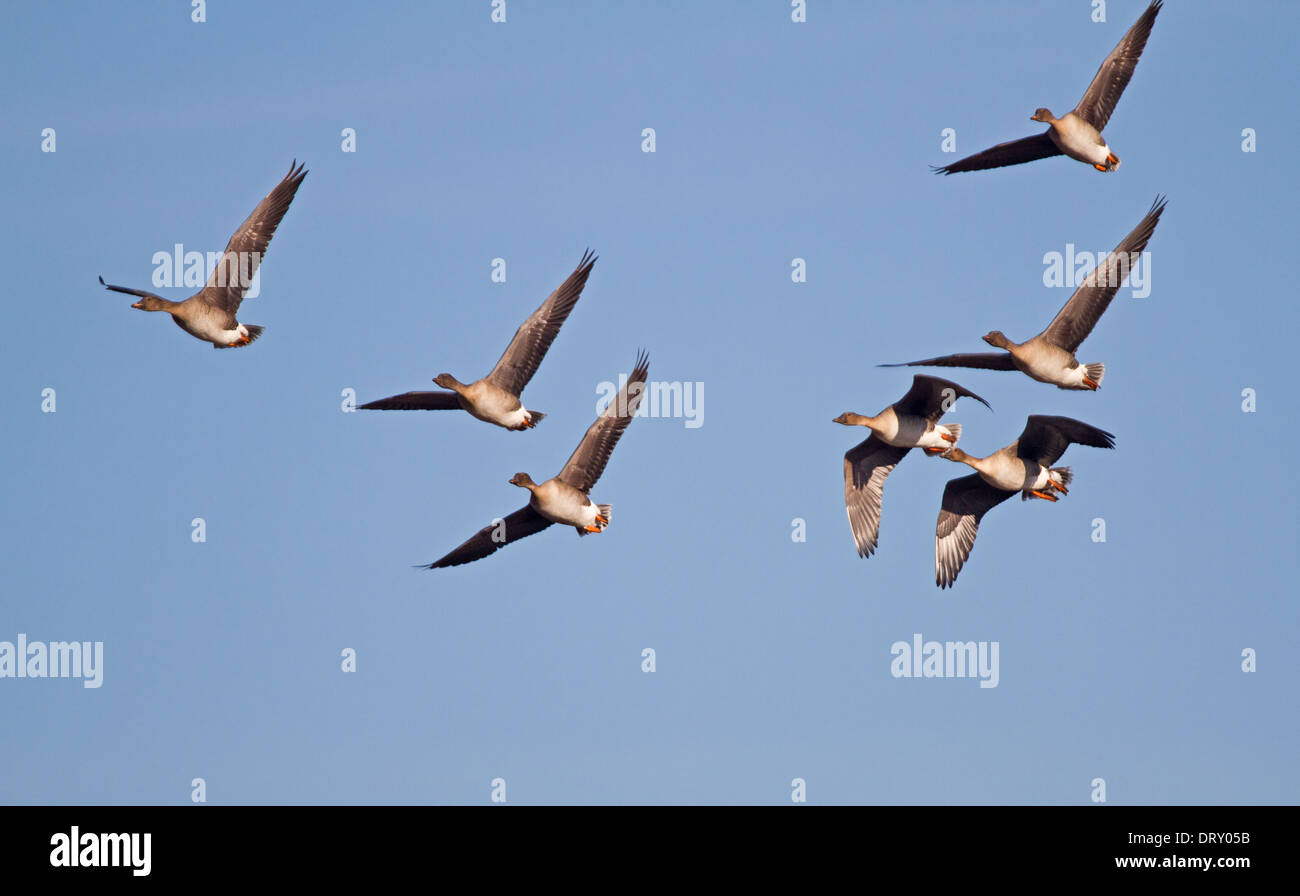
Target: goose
564,498
209,314
911,422
1076,134
1049,357
1024,466
495,398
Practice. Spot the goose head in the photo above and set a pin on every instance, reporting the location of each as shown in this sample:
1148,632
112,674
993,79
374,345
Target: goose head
523,480
998,339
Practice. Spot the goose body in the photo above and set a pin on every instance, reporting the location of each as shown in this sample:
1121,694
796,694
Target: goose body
490,403
561,503
1041,360
1079,140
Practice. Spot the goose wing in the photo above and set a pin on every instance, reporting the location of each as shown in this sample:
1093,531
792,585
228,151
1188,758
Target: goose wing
1108,84
588,460
523,522
965,501
865,469
1080,314
234,272
1013,152
524,354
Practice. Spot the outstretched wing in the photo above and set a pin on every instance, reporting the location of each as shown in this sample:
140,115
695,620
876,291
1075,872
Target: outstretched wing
1108,84
524,354
415,401
865,469
931,397
965,501
1045,438
1080,314
1013,152
234,272
129,291
589,459
523,522
978,360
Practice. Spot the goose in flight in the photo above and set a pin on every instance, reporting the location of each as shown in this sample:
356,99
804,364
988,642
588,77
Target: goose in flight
495,398
1024,466
1049,356
210,313
563,499
911,422
1077,134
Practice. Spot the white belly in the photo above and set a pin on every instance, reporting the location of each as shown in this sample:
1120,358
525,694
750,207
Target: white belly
513,419
208,333
935,438
905,432
1079,140
567,506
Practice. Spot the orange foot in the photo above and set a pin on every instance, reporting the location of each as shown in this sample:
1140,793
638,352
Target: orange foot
592,528
935,450
1091,384
601,521
1060,488
948,437
1112,158
1046,496
529,423
1101,168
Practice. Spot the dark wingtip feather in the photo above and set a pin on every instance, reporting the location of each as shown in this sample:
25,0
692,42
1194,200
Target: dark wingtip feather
642,367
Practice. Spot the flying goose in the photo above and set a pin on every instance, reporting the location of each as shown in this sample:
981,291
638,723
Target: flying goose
1077,134
1049,356
495,398
1024,466
563,499
209,314
911,422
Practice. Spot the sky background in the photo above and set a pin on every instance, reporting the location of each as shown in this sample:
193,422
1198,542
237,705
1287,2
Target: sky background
522,141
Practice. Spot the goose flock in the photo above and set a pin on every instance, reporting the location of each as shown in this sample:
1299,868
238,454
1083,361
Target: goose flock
914,421
1026,465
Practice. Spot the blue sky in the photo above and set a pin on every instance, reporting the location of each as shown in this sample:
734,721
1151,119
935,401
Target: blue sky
522,141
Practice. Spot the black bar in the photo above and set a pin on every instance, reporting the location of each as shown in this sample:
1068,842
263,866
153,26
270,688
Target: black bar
336,844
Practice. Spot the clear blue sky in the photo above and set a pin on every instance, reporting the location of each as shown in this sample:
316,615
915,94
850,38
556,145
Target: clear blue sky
523,141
